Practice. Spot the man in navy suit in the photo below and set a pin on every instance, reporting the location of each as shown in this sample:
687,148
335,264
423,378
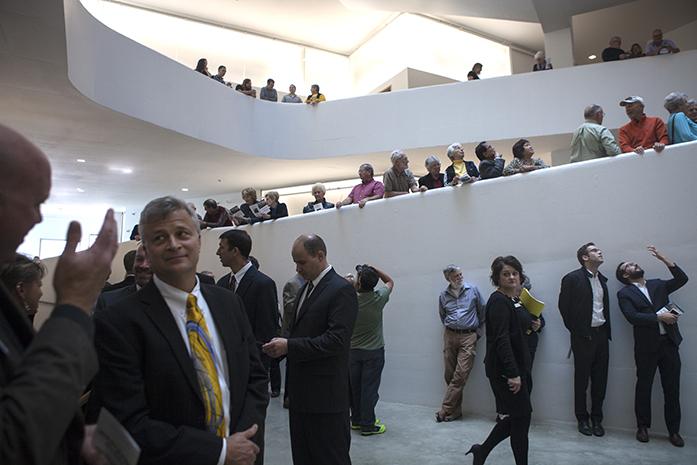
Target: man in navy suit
178,363
141,273
656,340
317,351
257,291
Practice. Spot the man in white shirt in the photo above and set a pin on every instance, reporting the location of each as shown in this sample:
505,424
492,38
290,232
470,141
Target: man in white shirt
585,308
179,367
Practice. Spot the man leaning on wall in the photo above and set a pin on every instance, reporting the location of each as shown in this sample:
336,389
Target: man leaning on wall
43,374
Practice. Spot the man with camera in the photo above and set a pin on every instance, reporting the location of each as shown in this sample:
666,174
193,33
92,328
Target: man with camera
367,357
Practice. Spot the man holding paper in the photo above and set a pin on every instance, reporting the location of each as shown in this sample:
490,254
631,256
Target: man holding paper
585,308
646,306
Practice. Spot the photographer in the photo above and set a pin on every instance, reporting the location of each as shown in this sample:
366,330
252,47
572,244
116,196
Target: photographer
367,357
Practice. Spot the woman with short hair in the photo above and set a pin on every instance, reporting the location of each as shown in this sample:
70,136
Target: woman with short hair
434,179
523,161
278,210
507,364
318,192
680,128
22,278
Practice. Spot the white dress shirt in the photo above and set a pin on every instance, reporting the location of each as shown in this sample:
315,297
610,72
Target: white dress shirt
597,318
240,274
314,285
176,302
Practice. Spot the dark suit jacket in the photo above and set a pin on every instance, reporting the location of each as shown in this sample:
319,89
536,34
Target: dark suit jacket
258,293
309,208
147,378
490,169
110,297
642,314
507,353
430,183
127,281
318,347
42,376
576,302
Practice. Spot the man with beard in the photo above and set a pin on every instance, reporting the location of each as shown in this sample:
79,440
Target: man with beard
656,340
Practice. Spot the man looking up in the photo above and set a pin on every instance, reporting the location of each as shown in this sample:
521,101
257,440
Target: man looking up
398,179
491,162
179,366
257,291
656,341
585,308
317,351
642,132
593,140
369,189
43,374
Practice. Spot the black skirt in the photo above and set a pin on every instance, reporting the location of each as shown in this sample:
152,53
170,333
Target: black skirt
507,403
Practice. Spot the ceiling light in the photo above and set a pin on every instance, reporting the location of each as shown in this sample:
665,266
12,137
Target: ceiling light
592,57
126,170
81,160
80,189
185,189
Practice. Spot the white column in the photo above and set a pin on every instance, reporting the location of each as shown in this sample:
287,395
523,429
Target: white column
559,47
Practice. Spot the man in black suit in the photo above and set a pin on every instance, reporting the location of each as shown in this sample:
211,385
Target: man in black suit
179,365
141,276
317,351
257,291
656,340
129,279
43,374
585,308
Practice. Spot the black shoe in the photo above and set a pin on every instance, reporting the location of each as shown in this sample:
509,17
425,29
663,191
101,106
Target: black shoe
584,428
286,403
598,429
642,435
476,451
676,440
275,393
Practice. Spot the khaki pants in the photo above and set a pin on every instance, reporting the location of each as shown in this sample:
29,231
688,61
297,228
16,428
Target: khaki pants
459,350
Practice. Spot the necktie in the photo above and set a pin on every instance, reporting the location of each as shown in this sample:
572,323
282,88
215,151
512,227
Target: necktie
310,286
204,364
233,282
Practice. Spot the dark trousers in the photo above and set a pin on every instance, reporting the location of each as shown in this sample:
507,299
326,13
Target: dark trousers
517,429
591,357
273,371
365,374
319,439
667,360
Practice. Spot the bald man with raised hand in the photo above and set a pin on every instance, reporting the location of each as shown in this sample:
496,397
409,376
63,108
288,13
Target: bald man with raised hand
43,374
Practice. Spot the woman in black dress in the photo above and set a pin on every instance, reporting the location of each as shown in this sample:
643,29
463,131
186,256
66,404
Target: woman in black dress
507,364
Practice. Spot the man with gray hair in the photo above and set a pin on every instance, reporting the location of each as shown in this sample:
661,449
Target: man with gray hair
461,310
642,132
593,140
398,179
179,366
43,373
680,127
369,189
434,179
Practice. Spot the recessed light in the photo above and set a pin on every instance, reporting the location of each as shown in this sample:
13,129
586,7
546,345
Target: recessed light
592,57
80,189
185,189
127,170
81,160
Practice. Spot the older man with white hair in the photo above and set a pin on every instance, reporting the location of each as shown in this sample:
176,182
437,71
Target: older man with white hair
593,140
399,180
642,132
680,127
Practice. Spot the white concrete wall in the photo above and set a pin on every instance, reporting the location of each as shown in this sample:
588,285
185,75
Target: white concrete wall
622,204
123,75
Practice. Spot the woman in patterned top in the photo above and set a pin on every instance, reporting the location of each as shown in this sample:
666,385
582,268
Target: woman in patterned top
523,160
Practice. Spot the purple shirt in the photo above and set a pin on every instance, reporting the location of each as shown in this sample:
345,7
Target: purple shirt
363,190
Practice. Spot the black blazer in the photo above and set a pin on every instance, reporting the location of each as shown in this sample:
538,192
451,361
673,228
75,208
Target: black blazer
576,302
309,208
642,314
147,378
490,169
258,293
470,167
42,376
507,353
127,281
318,347
110,297
279,211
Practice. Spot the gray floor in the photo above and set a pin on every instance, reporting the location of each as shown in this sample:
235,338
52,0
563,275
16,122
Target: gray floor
413,437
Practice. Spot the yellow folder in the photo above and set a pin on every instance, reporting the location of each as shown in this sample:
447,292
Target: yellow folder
531,304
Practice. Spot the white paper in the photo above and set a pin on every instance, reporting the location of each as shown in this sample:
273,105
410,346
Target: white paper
318,207
114,442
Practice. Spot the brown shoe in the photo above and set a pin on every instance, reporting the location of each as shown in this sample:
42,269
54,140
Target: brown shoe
642,435
676,440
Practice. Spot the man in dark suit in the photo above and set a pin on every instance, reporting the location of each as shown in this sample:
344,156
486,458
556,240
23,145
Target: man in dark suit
141,276
179,365
43,374
656,340
129,279
257,291
585,308
317,351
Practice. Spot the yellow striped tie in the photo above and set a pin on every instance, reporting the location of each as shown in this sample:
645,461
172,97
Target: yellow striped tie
203,357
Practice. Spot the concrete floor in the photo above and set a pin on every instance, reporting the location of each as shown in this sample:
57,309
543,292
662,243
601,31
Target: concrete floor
413,437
